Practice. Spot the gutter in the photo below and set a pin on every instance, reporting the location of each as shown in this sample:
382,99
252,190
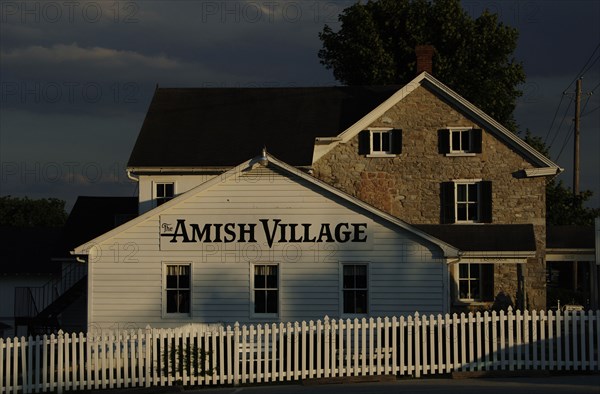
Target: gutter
133,178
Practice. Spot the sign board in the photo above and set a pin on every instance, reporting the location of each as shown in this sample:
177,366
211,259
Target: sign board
191,232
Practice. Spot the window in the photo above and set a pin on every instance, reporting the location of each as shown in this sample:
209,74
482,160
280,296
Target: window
164,192
466,202
460,141
266,289
177,288
475,282
380,142
355,288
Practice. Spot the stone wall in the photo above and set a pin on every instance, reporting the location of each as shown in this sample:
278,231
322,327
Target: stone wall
408,186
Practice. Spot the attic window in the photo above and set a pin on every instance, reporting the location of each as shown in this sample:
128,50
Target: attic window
460,141
164,192
380,142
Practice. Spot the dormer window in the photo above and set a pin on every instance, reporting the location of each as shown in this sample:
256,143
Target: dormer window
380,142
164,192
460,141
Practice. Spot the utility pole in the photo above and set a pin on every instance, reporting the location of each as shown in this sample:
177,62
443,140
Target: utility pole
576,148
576,168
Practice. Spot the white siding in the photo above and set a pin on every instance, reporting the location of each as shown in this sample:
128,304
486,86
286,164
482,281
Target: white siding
126,290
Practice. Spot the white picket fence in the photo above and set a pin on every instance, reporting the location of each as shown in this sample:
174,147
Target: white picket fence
414,345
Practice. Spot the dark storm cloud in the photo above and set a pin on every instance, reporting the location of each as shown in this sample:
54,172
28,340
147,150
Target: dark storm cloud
77,76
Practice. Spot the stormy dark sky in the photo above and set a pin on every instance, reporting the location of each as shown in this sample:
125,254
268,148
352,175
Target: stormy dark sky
76,77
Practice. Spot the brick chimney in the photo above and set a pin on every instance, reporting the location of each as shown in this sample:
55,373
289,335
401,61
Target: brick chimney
424,58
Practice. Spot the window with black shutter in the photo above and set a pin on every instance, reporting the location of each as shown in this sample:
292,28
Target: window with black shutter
380,142
466,202
459,141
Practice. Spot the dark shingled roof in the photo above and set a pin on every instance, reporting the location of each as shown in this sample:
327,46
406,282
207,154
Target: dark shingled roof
222,127
93,216
484,238
28,250
570,237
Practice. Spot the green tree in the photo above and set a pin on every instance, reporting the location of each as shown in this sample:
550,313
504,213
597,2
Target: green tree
376,46
24,212
562,206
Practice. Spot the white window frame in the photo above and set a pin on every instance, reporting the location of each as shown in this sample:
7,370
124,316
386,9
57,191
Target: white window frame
155,191
164,289
459,151
254,314
383,131
467,182
469,279
341,286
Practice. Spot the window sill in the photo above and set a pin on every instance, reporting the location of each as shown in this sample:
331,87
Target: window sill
173,316
472,303
384,155
354,315
461,154
262,316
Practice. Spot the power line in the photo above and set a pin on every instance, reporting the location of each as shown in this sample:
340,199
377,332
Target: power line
590,111
590,66
565,143
560,125
583,113
562,97
586,103
581,72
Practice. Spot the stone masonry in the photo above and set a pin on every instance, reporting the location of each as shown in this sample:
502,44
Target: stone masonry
408,186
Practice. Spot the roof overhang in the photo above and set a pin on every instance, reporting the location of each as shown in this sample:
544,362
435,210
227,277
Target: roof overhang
571,254
545,171
496,257
177,170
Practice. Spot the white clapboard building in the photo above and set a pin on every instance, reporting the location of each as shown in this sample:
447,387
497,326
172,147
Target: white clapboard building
263,242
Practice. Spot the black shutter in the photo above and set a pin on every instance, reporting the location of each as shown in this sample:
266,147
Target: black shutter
487,282
396,141
476,140
447,202
485,201
444,141
364,142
